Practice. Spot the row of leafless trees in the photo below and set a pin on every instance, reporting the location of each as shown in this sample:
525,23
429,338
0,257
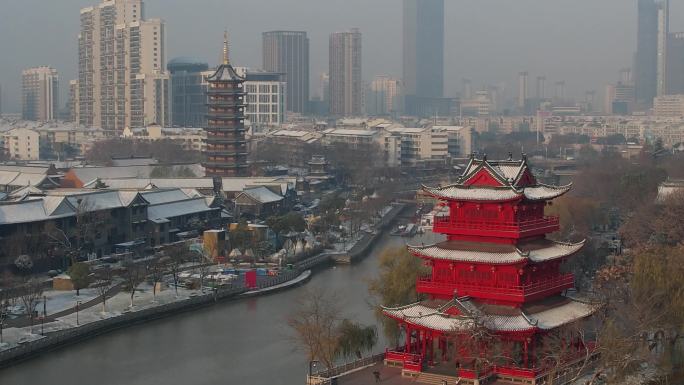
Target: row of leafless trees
165,151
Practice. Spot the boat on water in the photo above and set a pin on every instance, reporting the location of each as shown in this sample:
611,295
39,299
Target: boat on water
410,230
397,231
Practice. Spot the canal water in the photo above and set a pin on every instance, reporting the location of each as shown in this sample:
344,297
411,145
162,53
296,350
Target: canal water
237,342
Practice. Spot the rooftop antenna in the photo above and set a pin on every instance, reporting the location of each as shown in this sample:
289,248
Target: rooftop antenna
226,48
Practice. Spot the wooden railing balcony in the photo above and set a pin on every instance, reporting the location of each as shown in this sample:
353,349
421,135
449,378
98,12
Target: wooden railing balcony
410,361
445,225
225,115
215,139
511,294
481,375
226,152
226,91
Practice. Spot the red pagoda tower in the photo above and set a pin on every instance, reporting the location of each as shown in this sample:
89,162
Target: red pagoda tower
496,271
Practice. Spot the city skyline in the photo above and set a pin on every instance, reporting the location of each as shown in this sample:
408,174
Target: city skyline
609,24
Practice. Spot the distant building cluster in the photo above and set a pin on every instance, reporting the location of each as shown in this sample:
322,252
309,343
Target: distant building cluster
400,146
126,88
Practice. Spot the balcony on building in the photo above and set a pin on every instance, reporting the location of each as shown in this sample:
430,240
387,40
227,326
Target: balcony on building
515,230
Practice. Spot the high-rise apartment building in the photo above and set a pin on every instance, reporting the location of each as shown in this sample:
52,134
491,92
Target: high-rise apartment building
40,93
287,52
384,96
522,89
264,94
619,98
541,87
651,55
266,97
423,52
467,92
675,64
559,91
72,104
121,79
346,84
663,37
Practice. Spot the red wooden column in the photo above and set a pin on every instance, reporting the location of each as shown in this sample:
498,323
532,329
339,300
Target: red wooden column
525,353
408,339
424,342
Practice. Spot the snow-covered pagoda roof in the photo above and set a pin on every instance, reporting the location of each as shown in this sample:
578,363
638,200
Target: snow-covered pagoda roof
497,181
462,314
535,251
497,194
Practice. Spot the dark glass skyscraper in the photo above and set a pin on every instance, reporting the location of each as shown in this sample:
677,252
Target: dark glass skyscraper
650,57
189,94
287,52
423,51
675,66
646,61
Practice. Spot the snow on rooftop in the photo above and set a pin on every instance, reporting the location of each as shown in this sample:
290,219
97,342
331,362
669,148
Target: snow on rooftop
437,319
553,250
263,195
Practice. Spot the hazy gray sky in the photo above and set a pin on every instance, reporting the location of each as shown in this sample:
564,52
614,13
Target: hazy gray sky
584,42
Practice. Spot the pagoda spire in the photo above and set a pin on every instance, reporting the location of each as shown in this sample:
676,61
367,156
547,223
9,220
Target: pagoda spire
226,48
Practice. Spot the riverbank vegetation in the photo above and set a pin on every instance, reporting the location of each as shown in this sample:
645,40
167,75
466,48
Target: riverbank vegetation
322,331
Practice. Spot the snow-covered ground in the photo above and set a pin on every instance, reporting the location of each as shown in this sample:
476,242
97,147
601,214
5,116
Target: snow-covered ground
116,305
58,301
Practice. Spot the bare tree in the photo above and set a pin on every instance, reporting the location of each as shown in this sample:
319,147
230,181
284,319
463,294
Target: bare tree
77,240
31,293
4,309
202,268
315,322
566,351
155,270
175,256
133,275
104,282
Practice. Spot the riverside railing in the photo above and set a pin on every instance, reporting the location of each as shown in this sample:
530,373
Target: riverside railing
325,377
55,339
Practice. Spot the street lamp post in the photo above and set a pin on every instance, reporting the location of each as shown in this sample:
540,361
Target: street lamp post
42,320
78,303
312,364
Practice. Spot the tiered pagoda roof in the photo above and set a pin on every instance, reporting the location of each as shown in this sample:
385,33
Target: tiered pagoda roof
507,180
497,194
464,313
535,251
225,73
